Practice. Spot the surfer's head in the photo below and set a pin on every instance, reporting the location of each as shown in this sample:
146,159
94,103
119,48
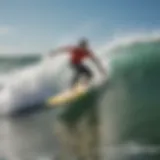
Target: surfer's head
83,42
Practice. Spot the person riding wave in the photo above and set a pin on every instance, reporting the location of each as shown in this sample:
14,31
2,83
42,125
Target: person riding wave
78,54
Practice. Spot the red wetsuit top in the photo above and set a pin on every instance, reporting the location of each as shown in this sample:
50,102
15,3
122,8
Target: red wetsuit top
78,54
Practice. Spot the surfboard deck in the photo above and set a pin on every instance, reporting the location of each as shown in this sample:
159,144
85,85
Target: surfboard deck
71,94
67,96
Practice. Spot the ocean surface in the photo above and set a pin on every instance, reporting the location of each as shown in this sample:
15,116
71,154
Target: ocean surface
127,104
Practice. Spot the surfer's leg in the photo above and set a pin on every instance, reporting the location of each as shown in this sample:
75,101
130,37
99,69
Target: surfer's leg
75,79
80,71
76,75
84,70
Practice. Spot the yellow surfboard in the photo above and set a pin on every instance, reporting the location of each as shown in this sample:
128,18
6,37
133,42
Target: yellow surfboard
67,96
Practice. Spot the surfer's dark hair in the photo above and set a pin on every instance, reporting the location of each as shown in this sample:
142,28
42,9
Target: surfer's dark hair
83,42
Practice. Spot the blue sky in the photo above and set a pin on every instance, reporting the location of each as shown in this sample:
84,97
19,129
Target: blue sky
39,25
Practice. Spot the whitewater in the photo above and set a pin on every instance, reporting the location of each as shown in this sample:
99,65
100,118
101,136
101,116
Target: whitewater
24,86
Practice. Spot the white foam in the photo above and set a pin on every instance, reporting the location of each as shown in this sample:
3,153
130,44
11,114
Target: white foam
29,86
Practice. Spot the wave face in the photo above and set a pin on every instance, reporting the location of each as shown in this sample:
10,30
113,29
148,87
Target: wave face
129,107
128,103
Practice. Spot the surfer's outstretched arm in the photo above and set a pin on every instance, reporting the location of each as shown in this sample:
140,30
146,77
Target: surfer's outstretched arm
58,51
98,63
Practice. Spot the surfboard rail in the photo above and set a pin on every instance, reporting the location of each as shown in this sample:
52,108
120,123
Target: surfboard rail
67,96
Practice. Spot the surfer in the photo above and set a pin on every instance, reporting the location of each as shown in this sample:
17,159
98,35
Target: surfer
79,53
